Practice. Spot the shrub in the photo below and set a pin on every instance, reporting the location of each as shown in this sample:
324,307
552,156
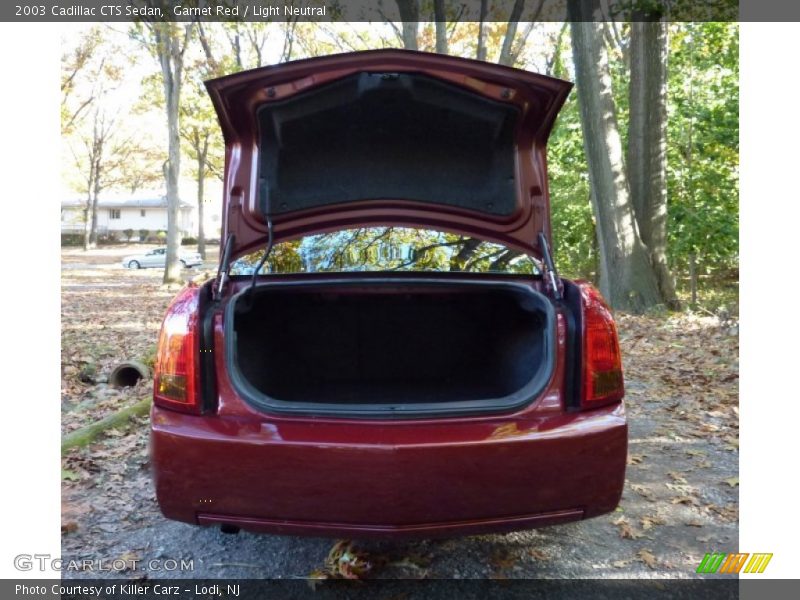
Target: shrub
128,234
71,239
144,234
161,235
189,241
110,237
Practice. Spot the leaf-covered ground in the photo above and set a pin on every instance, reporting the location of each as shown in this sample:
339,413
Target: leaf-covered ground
680,499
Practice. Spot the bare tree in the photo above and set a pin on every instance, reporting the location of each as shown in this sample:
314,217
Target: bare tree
200,142
480,54
168,43
87,71
92,163
106,161
647,143
200,131
235,39
288,39
257,35
440,18
627,278
409,15
509,52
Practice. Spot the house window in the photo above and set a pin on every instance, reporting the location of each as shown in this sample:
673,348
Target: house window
114,213
142,213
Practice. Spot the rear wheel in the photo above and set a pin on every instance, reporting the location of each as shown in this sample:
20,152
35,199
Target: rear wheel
134,264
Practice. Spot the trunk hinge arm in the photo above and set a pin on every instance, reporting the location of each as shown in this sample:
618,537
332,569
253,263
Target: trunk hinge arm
223,272
551,273
262,262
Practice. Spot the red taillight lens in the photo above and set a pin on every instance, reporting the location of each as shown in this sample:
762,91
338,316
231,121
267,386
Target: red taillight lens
602,363
175,380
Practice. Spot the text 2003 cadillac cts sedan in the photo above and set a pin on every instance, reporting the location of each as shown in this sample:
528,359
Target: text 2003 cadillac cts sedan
404,359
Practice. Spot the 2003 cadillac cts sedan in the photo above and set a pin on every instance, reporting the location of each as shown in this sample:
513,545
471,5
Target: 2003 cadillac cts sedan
404,359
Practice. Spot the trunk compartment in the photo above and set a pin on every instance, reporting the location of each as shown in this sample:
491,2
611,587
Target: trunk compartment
404,348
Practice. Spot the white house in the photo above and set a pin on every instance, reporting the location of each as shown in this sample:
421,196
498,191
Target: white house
118,214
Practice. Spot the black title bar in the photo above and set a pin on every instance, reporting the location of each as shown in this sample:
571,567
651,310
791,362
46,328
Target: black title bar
383,10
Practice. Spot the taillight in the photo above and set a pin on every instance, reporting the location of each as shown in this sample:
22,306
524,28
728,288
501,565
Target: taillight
175,378
602,364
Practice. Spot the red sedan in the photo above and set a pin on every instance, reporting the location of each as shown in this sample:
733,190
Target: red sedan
387,349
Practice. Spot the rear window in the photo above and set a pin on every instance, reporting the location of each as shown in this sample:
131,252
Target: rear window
398,249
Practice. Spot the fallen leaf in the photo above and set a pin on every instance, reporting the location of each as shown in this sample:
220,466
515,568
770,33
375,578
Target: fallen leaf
538,554
648,522
703,538
729,512
345,562
68,475
68,526
647,557
644,492
620,564
732,481
677,477
680,488
635,459
626,531
316,577
501,559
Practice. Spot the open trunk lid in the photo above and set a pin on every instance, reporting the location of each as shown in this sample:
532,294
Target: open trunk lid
386,137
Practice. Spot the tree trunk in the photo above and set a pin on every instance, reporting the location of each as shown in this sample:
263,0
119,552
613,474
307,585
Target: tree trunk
172,271
87,223
481,52
440,17
201,177
627,279
409,14
95,198
88,213
170,56
647,145
85,435
506,54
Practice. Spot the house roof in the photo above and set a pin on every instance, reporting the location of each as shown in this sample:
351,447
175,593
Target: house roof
159,202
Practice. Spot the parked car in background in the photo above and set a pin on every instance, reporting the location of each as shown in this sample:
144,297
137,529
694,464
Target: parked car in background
158,258
410,363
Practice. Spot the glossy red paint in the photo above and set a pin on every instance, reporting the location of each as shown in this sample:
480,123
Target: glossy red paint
407,478
237,98
404,478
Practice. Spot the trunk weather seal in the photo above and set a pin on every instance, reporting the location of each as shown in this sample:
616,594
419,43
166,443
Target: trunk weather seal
513,402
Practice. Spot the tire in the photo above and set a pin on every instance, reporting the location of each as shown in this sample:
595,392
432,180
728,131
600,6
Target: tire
134,264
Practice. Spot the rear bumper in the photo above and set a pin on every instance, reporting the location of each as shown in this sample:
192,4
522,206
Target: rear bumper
388,480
